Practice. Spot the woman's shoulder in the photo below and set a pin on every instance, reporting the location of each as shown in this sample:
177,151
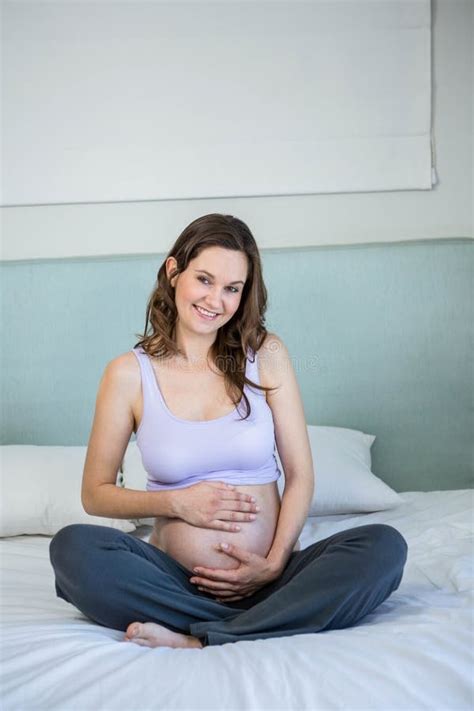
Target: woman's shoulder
271,356
124,369
271,342
272,347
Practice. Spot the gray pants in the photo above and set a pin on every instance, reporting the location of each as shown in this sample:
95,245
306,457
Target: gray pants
114,579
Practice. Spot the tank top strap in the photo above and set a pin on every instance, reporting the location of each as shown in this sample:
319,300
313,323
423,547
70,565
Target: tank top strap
252,369
148,376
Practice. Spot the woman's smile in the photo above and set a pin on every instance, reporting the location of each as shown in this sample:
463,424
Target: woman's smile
203,313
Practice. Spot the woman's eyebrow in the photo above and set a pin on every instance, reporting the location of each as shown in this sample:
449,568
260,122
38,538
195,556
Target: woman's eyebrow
212,277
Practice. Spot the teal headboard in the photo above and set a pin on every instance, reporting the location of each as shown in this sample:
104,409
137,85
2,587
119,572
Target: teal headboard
381,338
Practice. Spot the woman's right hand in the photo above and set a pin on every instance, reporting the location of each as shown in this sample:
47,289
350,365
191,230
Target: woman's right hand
214,505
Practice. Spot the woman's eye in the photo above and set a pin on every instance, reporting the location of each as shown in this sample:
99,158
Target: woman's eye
233,289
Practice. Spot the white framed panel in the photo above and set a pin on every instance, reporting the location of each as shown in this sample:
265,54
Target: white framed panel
129,101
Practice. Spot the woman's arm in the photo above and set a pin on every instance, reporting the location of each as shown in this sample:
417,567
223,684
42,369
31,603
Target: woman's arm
291,436
111,501
292,441
110,434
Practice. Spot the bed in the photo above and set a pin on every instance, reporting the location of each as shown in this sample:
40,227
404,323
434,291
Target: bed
381,337
415,651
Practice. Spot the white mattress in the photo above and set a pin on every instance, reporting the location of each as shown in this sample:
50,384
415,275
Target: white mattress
415,651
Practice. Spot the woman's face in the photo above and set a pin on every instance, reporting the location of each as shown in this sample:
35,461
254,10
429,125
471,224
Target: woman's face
213,281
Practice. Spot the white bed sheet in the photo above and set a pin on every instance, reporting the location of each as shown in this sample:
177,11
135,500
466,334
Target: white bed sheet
415,651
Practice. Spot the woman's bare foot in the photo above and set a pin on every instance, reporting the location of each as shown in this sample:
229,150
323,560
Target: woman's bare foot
149,634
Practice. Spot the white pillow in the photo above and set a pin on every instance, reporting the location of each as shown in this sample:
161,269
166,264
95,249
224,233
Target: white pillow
344,483
41,490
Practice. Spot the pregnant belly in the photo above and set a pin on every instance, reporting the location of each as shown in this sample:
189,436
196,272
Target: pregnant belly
192,546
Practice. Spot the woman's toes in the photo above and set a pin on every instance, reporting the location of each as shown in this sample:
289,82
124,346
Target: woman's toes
133,630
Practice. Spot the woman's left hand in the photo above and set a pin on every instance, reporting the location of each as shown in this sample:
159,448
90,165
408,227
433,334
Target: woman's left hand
252,574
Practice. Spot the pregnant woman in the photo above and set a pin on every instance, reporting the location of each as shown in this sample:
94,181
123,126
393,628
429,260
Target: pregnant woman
209,393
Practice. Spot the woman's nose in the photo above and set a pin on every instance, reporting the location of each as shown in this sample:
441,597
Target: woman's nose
214,299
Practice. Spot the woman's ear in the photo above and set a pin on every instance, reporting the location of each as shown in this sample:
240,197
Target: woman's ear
171,264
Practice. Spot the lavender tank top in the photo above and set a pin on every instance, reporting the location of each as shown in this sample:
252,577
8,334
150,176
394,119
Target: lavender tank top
178,453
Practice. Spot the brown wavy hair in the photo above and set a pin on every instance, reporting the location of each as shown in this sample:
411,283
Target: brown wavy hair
247,326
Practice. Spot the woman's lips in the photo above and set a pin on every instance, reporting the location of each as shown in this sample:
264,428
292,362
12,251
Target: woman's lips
207,318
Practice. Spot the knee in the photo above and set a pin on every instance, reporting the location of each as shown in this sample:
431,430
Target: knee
65,541
388,544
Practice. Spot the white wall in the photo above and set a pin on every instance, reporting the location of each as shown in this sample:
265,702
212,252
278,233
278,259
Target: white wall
290,221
